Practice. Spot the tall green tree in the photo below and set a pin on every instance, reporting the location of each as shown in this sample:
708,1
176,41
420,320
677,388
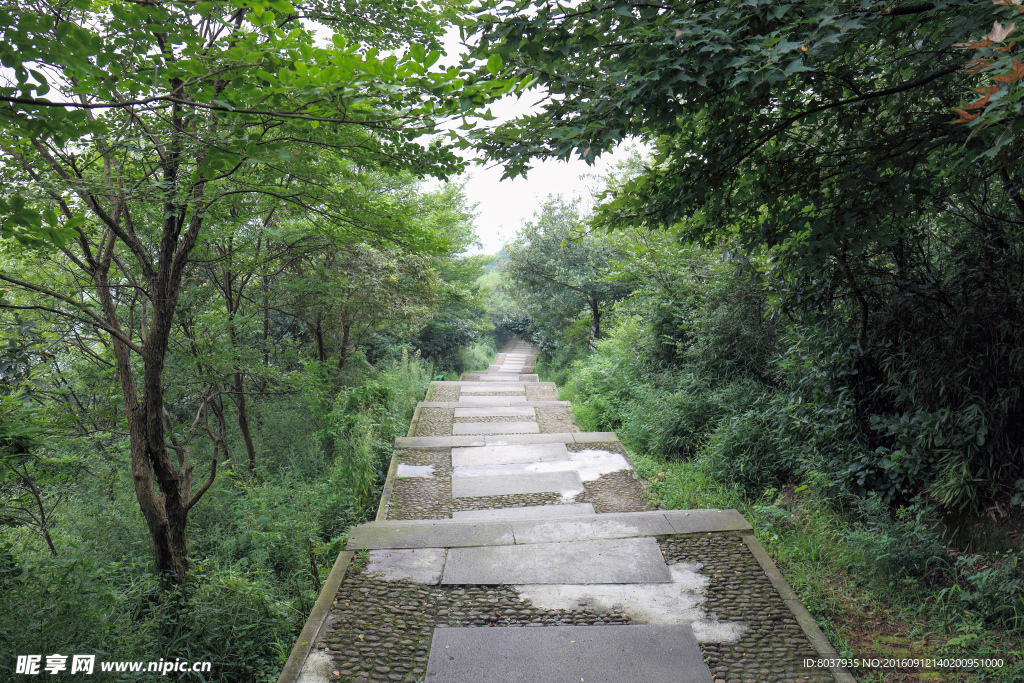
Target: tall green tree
558,269
867,154
125,125
770,118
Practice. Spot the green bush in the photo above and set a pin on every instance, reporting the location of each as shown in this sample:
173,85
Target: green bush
751,448
904,548
230,619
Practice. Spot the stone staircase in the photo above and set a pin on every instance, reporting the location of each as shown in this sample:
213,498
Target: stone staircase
512,547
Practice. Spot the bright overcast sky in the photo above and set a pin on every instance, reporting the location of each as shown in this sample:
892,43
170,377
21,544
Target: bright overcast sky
503,205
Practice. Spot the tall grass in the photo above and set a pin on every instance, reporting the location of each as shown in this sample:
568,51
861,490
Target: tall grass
260,546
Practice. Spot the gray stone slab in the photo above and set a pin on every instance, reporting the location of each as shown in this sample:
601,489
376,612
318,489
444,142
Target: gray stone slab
490,387
567,483
565,654
508,455
593,527
499,377
439,441
491,400
443,534
524,513
461,428
621,560
422,565
497,411
518,526
699,521
594,437
520,439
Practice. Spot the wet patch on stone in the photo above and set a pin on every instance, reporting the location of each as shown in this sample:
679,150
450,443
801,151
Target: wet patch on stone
678,602
773,648
380,631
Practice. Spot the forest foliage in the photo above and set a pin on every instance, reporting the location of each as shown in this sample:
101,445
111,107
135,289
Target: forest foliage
225,286
822,270
813,147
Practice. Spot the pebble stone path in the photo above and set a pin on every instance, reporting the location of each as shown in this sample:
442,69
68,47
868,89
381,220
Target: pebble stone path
512,547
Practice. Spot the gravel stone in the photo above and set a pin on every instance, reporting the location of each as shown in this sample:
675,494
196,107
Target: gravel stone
556,419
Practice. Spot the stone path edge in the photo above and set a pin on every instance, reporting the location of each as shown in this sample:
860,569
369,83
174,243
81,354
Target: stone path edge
317,618
807,623
389,485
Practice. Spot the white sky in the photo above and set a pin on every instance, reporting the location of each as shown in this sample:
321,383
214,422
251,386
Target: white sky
503,205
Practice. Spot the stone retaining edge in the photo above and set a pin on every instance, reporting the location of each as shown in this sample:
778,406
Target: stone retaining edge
317,618
389,485
803,617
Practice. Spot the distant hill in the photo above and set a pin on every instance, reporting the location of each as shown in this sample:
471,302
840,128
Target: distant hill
499,258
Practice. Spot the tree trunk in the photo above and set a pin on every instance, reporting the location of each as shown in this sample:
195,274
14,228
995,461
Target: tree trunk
44,524
319,333
243,422
343,356
595,328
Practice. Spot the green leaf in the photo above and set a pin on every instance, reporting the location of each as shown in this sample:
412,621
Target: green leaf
797,66
494,63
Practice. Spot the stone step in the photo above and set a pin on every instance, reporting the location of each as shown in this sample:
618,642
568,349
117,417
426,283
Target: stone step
590,463
503,439
467,383
498,402
528,512
565,482
453,533
501,377
495,428
620,560
491,387
499,455
497,411
493,400
593,654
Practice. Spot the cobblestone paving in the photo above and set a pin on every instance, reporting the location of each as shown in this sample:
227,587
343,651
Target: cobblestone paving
434,422
381,630
615,492
774,646
444,392
555,419
541,393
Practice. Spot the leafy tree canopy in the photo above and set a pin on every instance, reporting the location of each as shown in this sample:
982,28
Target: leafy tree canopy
832,120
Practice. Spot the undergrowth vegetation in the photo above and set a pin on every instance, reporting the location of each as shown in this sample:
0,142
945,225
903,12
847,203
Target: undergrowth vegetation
727,401
261,546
